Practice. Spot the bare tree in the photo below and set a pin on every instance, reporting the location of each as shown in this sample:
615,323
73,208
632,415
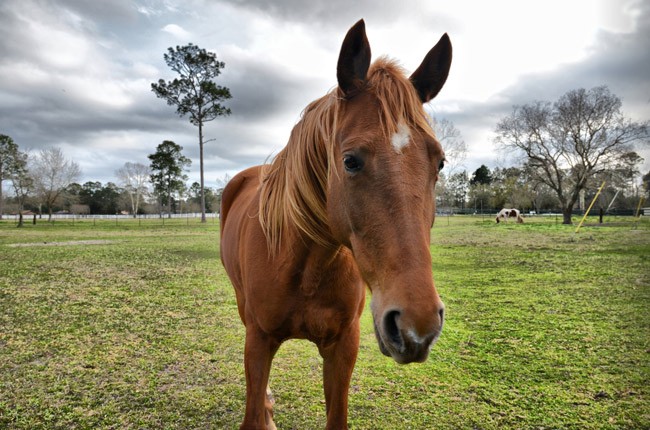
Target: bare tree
133,177
52,173
22,183
223,181
452,143
565,144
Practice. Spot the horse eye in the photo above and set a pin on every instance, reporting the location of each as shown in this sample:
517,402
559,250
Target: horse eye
352,164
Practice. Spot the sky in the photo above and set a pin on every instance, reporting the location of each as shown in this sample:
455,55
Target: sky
77,74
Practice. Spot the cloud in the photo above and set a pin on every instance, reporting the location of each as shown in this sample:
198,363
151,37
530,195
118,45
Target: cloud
111,11
77,74
178,32
261,90
618,59
328,13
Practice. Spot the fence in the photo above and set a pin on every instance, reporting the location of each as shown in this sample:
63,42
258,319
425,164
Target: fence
109,217
576,212
144,219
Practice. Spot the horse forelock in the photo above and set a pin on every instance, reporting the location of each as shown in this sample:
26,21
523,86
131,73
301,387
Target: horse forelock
399,101
294,184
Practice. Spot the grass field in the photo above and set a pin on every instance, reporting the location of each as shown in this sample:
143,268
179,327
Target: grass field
133,325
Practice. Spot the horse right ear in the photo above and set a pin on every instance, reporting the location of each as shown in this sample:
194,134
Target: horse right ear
429,78
354,60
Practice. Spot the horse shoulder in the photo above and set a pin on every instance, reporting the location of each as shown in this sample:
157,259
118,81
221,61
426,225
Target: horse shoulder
234,188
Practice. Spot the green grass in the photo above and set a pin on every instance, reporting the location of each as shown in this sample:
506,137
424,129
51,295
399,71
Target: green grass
545,329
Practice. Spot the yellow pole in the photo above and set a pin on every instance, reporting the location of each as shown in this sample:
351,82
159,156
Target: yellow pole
638,207
637,215
589,208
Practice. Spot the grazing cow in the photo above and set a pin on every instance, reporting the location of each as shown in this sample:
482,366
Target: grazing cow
504,214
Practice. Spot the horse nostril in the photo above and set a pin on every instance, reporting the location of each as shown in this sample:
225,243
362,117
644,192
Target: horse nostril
441,314
391,329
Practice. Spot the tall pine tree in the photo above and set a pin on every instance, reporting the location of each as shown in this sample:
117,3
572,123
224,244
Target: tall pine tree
194,93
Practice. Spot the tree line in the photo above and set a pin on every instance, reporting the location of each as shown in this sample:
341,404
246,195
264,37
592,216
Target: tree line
564,150
46,182
488,190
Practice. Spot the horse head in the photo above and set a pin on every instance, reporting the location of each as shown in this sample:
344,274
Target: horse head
385,163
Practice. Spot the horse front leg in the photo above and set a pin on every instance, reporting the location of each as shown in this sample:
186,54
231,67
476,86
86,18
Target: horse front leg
258,355
338,362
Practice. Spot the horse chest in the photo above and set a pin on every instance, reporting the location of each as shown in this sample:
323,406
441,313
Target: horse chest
322,296
318,311
323,320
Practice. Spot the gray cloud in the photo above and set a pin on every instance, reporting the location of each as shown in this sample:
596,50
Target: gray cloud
619,60
113,12
332,12
261,89
77,74
622,62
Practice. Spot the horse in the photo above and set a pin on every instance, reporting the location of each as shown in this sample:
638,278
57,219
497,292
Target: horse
347,205
504,214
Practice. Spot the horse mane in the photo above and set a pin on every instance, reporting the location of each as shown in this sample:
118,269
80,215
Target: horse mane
294,184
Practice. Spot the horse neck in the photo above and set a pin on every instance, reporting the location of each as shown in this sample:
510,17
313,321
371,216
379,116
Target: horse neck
310,261
293,193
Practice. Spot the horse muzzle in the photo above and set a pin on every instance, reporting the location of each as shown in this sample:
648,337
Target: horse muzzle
401,341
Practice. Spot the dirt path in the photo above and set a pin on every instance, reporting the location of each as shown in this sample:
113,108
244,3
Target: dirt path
67,243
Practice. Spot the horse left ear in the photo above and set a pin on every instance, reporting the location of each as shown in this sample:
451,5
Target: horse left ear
429,78
354,60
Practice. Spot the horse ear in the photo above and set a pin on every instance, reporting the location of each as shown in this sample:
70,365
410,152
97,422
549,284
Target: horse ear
429,78
354,60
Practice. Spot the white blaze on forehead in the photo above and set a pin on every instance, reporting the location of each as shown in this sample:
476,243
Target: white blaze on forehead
401,138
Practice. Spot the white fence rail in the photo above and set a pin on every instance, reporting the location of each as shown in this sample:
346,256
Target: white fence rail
108,217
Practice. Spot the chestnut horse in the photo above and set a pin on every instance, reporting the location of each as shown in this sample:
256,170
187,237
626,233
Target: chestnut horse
348,203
